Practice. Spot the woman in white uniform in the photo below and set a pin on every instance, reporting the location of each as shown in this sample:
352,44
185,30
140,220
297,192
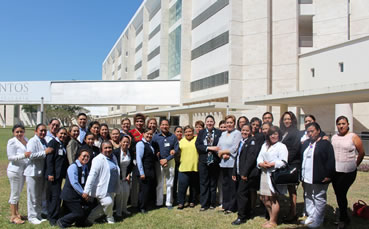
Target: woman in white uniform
17,156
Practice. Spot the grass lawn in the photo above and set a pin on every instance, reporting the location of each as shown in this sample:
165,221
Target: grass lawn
187,218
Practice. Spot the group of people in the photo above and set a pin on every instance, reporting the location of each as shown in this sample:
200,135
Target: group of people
105,169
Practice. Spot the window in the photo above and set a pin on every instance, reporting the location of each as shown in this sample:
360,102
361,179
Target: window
175,12
340,64
312,70
210,81
174,53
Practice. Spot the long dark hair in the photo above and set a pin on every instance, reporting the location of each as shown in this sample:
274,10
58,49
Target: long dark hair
293,121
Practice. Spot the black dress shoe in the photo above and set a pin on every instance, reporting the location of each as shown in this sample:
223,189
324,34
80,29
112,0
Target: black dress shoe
203,209
60,224
238,222
143,211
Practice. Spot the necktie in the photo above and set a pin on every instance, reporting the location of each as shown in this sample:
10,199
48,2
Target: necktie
209,138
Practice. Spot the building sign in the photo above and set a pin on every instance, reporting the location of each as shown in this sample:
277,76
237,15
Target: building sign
19,92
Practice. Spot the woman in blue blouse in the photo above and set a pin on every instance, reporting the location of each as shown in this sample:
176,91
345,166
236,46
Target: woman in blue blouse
72,192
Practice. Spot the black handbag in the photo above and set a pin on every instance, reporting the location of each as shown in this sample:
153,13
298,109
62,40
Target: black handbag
289,174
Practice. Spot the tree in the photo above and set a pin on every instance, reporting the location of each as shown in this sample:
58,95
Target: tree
65,113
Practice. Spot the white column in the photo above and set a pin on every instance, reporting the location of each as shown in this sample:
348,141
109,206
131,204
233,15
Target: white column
39,119
345,110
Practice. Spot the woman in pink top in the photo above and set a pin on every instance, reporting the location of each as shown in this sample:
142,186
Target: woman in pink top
346,145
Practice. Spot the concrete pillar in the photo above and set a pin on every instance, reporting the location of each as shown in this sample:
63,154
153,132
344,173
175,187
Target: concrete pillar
164,26
283,108
140,108
186,46
190,118
345,110
145,42
39,114
3,115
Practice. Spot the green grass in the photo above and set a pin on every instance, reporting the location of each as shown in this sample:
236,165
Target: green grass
187,218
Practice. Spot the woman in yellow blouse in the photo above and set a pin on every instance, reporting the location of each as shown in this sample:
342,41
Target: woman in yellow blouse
188,169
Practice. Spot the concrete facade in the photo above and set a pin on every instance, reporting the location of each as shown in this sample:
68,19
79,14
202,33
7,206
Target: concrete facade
230,50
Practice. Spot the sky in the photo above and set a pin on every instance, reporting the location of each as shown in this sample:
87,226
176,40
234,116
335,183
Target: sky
59,39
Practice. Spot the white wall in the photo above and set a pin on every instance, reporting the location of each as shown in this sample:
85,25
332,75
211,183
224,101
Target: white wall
153,64
214,62
155,21
199,6
353,54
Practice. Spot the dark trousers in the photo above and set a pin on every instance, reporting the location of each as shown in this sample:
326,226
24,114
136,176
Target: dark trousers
185,180
76,213
147,192
229,190
175,181
243,197
208,184
341,183
53,199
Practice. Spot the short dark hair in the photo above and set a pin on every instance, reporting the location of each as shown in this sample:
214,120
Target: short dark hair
125,136
103,143
222,122
164,119
188,127
145,130
256,119
125,119
53,119
38,126
91,124
310,116
210,116
272,130
314,124
79,152
16,126
339,118
88,134
199,122
177,127
81,114
270,113
139,116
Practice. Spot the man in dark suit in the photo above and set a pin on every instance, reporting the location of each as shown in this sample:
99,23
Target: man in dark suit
206,145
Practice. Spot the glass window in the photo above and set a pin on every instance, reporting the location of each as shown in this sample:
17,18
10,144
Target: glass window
174,53
175,12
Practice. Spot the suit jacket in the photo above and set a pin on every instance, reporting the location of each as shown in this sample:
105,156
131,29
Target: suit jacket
130,167
72,149
247,159
293,143
35,165
57,161
202,148
324,162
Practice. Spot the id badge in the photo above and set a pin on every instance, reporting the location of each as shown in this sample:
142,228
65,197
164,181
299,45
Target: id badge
166,144
60,152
